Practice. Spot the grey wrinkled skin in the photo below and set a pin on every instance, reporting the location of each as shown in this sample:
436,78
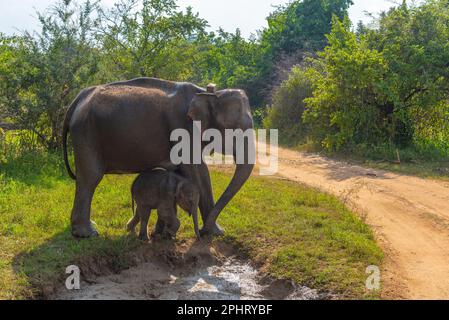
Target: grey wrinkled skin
125,127
162,190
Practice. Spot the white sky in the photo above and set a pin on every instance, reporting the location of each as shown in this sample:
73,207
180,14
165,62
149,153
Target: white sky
248,15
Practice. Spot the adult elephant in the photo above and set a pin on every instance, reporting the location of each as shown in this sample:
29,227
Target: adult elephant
125,127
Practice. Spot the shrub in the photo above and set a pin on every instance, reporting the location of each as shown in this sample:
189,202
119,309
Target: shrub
288,107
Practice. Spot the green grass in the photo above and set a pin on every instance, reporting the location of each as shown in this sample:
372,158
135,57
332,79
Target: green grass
296,232
427,169
424,168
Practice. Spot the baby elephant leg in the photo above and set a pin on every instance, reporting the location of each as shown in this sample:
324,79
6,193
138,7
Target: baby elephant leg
169,221
160,227
144,214
173,225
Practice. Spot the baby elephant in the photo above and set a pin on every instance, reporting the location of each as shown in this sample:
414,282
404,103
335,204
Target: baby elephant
162,190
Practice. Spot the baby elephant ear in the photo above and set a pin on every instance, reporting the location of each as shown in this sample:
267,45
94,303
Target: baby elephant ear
211,88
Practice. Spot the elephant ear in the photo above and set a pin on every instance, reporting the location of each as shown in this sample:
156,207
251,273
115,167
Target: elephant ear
230,111
203,107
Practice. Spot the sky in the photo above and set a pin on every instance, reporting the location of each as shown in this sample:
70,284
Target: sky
248,15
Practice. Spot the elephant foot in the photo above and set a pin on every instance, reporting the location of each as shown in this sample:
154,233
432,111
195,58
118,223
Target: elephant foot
157,235
83,231
162,236
214,231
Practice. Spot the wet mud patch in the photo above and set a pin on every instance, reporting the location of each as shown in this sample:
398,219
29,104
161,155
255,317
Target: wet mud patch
194,272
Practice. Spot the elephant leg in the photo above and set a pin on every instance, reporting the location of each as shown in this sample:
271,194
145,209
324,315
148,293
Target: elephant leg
81,224
167,215
89,175
144,214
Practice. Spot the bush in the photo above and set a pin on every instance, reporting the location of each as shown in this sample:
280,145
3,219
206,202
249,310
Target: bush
288,107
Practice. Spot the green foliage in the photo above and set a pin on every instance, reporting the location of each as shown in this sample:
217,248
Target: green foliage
303,25
294,31
343,107
414,44
41,73
153,40
16,80
288,107
385,87
231,61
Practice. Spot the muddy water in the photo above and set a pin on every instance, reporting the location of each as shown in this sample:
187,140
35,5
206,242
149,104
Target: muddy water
229,280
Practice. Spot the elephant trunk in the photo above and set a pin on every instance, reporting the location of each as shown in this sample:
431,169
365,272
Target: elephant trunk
241,175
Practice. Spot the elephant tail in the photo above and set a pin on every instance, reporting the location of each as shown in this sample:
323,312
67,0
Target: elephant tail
66,127
65,133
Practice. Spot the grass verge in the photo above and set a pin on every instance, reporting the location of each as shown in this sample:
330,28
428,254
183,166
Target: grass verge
424,169
293,231
412,162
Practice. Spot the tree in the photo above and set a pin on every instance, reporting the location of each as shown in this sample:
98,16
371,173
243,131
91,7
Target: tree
295,31
43,72
413,41
303,25
16,79
232,59
346,92
151,40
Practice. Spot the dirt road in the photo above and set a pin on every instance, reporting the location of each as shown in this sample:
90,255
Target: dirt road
409,215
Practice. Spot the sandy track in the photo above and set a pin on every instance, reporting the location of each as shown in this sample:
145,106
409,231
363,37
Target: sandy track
409,215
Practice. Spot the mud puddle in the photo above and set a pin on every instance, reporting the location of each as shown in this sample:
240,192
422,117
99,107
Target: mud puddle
195,278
